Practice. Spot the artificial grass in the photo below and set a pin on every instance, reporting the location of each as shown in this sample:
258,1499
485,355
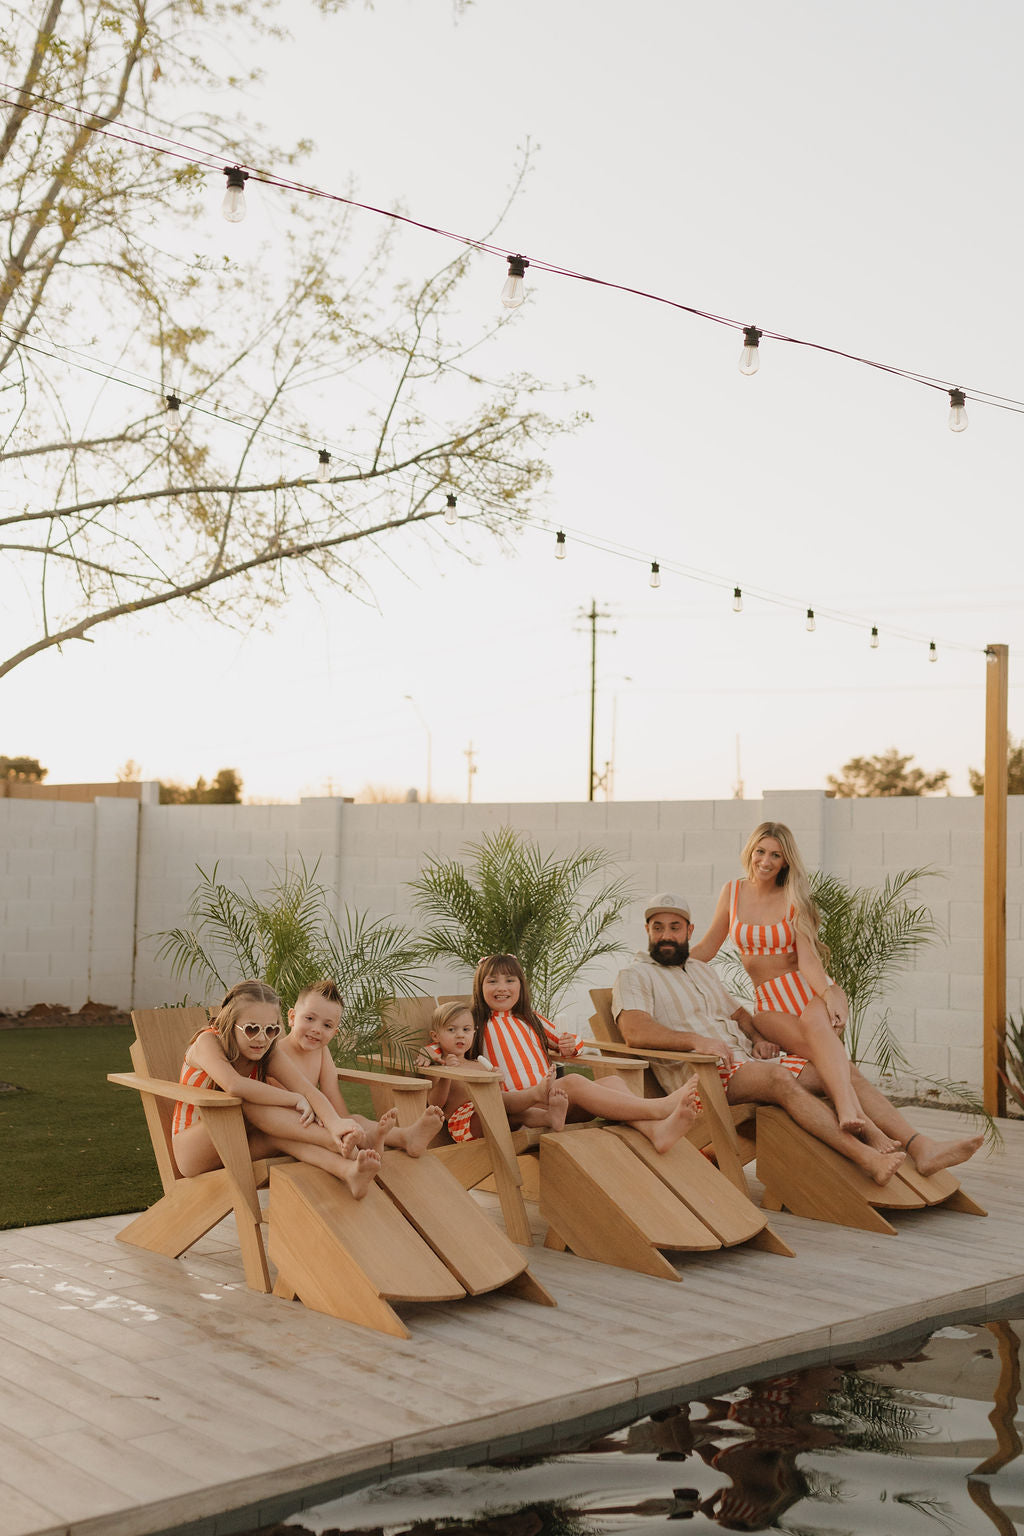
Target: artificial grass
74,1145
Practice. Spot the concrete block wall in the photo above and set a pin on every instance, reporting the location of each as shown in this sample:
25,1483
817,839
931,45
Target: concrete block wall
84,888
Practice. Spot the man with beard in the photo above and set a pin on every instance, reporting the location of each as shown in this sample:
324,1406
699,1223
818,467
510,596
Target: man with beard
665,1001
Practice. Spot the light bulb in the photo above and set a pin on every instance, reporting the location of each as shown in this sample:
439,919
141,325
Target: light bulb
323,466
957,414
655,574
172,405
737,600
559,545
750,357
233,206
451,516
990,657
933,654
874,637
810,621
514,291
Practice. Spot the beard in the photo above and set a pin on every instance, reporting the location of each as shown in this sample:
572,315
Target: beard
668,952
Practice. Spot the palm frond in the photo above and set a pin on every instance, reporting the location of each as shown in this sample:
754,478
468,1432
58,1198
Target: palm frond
556,914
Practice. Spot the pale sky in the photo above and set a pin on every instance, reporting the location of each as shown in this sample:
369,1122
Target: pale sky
846,175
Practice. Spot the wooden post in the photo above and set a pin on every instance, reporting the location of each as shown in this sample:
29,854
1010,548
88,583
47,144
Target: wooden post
994,997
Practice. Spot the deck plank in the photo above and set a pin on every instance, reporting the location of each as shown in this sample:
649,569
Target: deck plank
123,1374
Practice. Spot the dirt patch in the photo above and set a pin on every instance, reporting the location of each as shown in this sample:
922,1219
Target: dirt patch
56,1016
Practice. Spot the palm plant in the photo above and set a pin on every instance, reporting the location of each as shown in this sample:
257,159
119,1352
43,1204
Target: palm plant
871,935
508,898
289,937
1013,1072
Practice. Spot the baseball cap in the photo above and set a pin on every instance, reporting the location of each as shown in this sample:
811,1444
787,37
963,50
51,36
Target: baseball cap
668,902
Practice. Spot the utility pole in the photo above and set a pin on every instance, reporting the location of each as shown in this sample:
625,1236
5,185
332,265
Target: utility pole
470,755
737,789
592,615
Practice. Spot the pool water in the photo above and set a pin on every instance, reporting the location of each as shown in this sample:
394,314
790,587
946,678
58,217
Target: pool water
928,1440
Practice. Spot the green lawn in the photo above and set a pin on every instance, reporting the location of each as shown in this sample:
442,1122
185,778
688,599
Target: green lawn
72,1144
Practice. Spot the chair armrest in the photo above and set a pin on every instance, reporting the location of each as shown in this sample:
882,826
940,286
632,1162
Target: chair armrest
638,1059
203,1098
381,1079
461,1074
697,1058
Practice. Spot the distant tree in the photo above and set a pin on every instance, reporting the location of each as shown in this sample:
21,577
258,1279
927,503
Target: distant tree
1014,770
887,773
129,772
226,789
26,768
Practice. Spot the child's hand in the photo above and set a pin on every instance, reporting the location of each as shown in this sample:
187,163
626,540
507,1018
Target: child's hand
305,1111
451,1060
567,1045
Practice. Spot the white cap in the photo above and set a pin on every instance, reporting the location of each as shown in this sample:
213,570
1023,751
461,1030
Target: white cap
667,903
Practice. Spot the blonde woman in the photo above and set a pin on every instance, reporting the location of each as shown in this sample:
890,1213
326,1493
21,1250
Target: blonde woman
772,919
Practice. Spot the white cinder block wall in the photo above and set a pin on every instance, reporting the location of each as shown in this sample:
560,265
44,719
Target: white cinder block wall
85,887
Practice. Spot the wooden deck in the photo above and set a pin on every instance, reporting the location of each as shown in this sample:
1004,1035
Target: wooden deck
141,1395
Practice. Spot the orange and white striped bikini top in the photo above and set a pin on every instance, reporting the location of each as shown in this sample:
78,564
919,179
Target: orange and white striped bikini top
761,938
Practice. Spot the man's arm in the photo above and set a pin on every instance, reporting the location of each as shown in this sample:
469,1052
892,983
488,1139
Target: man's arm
643,1032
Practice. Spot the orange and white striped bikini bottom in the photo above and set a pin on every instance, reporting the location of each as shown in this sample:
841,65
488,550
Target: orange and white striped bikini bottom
459,1121
789,993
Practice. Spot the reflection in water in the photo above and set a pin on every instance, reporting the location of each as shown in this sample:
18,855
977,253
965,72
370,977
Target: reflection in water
888,1447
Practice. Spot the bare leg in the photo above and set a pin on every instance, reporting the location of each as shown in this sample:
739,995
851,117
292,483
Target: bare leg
357,1172
518,1099
612,1100
765,1083
276,1122
929,1154
812,1036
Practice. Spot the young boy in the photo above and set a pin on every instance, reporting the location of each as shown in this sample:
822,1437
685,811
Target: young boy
301,1061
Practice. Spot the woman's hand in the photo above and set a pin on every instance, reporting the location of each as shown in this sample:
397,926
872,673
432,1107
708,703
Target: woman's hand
837,1006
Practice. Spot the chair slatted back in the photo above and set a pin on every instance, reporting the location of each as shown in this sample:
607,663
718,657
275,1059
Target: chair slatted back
457,997
602,1021
161,1035
406,1026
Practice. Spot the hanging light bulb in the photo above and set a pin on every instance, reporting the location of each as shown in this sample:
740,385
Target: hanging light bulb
810,621
957,414
172,405
323,466
514,291
451,516
874,637
233,206
933,654
559,545
655,574
750,357
737,600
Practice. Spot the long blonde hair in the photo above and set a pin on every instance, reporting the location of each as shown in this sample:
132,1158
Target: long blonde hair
792,878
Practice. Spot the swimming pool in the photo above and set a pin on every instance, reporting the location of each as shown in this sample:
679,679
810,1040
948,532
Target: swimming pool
926,1440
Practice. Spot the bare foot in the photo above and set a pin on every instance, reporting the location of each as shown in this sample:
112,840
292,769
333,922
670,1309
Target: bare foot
543,1088
363,1174
881,1166
558,1107
415,1139
931,1156
687,1094
376,1136
663,1134
348,1143
876,1137
853,1125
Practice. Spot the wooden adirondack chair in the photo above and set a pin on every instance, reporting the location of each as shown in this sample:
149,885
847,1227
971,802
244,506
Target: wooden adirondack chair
603,1192
799,1172
417,1236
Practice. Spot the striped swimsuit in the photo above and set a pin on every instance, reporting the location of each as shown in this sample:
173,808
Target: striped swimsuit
195,1077
514,1049
789,993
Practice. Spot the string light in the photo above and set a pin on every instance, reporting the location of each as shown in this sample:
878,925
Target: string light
172,406
933,654
655,574
737,600
810,621
750,357
514,291
874,637
559,545
451,516
233,206
957,414
323,466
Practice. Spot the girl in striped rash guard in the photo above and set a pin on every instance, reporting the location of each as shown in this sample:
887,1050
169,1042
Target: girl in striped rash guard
772,919
521,1043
